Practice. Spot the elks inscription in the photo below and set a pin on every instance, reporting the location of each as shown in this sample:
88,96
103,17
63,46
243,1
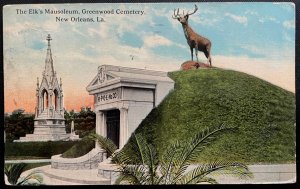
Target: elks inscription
109,96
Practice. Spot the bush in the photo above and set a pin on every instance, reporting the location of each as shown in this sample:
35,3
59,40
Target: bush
80,149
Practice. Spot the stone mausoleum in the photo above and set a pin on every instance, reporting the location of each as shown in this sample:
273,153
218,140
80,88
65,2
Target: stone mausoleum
123,97
49,122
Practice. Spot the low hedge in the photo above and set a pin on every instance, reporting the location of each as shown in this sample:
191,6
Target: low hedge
37,149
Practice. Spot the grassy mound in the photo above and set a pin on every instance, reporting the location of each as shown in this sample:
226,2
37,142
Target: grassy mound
79,149
263,113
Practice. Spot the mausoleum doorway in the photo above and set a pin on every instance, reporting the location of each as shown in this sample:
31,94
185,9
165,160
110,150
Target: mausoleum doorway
113,125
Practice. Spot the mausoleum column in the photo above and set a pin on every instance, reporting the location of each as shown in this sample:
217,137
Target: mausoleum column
123,127
98,122
100,127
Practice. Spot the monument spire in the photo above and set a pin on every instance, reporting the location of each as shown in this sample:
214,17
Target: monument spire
49,121
49,70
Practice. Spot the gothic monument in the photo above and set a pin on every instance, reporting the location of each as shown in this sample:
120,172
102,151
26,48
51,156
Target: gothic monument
49,122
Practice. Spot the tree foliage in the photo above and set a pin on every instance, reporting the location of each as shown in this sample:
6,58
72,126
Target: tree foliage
17,125
84,121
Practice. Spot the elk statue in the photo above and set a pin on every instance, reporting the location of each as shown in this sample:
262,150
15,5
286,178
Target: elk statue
194,40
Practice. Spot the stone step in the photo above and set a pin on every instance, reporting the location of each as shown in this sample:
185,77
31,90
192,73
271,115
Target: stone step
43,137
98,181
46,135
49,133
59,129
67,177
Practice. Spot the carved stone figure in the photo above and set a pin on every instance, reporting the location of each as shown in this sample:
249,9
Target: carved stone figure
101,75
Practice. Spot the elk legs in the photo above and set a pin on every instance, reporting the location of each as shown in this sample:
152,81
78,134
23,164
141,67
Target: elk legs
207,54
196,51
192,52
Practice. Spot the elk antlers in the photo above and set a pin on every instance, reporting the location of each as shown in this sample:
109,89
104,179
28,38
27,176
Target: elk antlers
196,8
176,14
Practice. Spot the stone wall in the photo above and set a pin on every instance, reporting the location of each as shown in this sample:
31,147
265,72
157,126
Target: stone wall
262,174
88,161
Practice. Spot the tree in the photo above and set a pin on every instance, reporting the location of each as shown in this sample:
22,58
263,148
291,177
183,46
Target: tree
84,121
18,124
173,168
14,171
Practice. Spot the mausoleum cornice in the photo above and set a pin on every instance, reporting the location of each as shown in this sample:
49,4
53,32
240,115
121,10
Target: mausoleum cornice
110,77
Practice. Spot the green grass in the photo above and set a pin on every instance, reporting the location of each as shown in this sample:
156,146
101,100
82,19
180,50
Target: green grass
33,150
263,113
81,148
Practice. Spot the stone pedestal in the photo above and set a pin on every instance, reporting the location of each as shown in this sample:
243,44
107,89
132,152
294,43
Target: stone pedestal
47,130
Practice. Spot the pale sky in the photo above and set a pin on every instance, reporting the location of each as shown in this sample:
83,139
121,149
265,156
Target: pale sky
256,38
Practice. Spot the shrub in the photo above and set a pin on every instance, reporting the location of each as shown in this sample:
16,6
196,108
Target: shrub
80,149
37,149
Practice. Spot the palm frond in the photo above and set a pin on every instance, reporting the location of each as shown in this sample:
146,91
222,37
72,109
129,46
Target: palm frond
174,163
152,163
208,180
121,158
194,146
127,178
145,169
33,178
105,143
134,174
218,167
236,169
14,171
147,155
167,162
140,146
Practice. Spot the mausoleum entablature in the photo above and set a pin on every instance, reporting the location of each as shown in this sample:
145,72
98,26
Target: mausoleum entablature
116,77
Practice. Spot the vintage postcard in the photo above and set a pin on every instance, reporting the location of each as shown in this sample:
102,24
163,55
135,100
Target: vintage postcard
149,93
